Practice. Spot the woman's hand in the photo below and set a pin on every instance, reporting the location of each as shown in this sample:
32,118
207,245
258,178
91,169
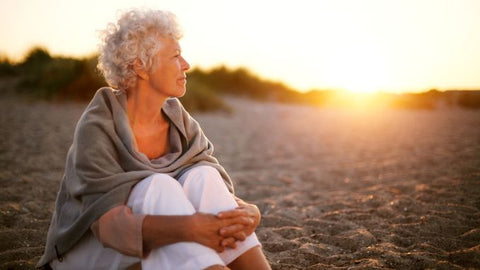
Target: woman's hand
206,229
250,216
223,230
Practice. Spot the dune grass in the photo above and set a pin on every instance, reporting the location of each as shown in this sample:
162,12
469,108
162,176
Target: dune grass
64,78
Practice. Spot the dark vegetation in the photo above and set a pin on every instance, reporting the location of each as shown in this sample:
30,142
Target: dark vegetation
63,78
435,99
54,78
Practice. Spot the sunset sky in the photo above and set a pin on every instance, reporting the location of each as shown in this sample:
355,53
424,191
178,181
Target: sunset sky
362,46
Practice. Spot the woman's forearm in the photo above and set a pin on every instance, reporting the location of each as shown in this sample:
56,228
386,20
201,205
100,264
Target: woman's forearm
158,231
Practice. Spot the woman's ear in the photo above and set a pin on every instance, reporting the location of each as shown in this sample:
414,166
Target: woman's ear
140,70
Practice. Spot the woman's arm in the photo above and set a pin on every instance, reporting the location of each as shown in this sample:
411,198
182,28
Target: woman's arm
136,235
201,228
121,230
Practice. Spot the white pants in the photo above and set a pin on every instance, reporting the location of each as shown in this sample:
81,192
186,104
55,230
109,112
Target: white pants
201,189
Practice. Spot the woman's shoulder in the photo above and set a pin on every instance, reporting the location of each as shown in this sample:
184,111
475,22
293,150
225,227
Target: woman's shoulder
99,116
106,94
101,108
105,99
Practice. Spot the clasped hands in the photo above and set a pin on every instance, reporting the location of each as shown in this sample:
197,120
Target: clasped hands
226,228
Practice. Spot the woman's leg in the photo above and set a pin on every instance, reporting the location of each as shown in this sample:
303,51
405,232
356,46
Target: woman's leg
90,254
208,193
158,194
252,259
161,194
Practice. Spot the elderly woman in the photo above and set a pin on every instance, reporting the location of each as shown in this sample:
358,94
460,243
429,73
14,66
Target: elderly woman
141,187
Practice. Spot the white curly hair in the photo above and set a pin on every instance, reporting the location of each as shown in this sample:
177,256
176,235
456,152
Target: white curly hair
134,36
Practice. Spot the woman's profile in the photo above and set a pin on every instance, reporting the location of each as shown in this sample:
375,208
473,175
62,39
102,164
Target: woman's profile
142,189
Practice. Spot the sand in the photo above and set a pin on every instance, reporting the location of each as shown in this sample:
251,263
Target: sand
337,189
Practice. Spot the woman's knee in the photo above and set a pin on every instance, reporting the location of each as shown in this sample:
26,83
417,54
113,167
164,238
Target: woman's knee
202,175
206,190
160,194
157,182
164,182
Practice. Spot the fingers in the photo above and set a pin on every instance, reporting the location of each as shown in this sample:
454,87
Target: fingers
219,249
238,223
240,236
230,242
252,210
231,230
242,220
249,210
237,236
238,232
232,213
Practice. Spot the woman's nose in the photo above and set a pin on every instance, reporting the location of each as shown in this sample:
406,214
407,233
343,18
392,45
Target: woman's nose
185,64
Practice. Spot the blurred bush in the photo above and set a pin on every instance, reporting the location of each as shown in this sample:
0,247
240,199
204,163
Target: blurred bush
86,81
426,101
469,99
199,97
7,68
240,82
65,78
434,99
58,78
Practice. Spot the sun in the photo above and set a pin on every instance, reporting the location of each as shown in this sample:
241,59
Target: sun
363,81
359,68
361,74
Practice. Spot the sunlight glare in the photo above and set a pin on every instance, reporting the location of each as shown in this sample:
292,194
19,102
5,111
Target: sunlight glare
360,67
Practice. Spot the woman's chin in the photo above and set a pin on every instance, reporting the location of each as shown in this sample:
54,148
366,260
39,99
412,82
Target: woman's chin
180,92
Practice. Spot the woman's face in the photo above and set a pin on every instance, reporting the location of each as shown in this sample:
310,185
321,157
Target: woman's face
168,70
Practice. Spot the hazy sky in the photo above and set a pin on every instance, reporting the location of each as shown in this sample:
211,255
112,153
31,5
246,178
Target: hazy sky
369,45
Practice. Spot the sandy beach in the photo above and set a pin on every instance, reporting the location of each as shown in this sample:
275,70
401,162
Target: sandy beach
338,189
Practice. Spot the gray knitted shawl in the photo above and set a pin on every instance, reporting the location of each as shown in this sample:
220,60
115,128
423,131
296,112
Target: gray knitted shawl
103,165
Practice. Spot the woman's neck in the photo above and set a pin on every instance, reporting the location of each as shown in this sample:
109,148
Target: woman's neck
144,106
